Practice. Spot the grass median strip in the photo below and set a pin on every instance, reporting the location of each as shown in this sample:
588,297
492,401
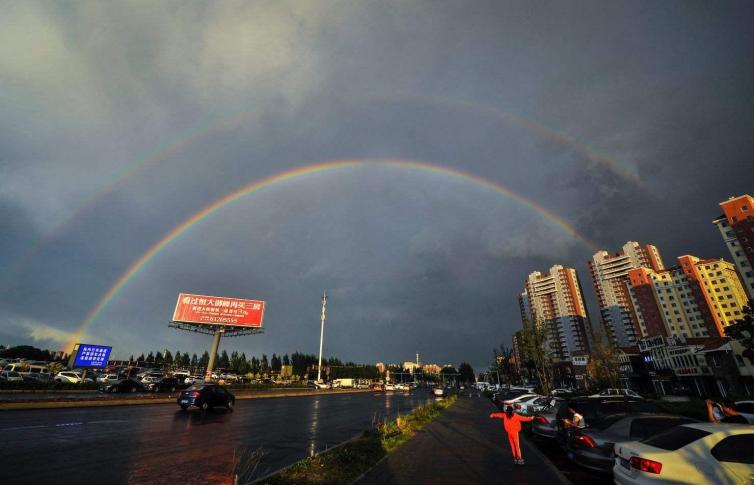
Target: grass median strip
344,463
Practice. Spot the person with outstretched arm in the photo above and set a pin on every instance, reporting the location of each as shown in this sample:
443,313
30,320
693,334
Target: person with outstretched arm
512,423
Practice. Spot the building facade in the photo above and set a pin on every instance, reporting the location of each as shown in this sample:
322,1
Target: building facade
697,298
609,274
736,226
556,300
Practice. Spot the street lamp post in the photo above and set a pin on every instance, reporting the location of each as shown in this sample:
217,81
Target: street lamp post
321,335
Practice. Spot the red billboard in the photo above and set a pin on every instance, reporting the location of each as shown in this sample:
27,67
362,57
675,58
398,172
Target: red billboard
217,310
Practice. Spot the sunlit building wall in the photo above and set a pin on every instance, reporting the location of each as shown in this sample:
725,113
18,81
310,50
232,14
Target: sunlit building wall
736,226
556,300
609,274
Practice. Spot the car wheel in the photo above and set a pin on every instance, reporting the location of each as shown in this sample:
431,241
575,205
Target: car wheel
114,390
205,406
133,389
230,405
183,408
172,389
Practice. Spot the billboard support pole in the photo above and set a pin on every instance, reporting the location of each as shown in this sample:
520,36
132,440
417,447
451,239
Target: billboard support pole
213,352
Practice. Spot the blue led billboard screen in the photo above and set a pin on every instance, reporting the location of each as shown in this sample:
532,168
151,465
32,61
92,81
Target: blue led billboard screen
89,355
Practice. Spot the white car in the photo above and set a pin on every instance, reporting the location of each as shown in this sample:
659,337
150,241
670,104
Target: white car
690,453
107,378
516,402
617,392
10,376
70,377
746,409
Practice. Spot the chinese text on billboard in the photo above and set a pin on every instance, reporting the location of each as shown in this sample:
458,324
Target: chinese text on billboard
94,356
216,310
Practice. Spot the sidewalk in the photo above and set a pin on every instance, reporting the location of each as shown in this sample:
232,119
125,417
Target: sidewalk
463,446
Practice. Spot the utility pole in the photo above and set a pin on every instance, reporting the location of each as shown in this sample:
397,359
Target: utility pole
321,335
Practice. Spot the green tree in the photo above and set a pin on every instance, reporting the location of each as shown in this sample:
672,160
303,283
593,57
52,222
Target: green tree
466,373
742,330
204,361
603,366
194,361
535,347
223,361
167,358
150,358
264,365
504,366
275,363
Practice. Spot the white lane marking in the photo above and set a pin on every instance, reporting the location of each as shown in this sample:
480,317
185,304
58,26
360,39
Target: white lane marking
23,427
68,424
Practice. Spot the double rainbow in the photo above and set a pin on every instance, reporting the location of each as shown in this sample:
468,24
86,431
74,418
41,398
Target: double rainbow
295,173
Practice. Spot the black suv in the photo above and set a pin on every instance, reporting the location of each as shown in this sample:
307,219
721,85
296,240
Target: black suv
164,384
205,396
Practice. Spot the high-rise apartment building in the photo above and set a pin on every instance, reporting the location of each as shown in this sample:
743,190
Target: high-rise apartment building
610,278
697,298
736,225
557,301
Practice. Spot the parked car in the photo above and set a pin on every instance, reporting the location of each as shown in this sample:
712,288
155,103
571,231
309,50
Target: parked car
10,376
206,396
499,398
617,392
37,377
530,405
545,424
594,409
193,380
592,447
164,384
123,385
70,377
147,377
746,409
106,378
690,453
562,392
517,402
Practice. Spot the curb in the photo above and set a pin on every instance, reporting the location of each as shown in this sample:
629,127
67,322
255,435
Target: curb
281,470
11,406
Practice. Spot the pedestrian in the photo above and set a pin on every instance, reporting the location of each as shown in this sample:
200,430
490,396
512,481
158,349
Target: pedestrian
728,411
512,423
577,420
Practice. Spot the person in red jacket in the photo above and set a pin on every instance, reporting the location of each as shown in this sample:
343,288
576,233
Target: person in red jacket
512,423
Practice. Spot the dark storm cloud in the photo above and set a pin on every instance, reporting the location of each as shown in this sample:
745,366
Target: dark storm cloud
413,262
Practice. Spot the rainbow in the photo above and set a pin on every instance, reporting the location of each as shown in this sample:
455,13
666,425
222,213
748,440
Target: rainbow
184,143
255,186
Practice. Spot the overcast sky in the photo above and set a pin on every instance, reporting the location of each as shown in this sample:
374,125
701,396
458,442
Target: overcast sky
118,120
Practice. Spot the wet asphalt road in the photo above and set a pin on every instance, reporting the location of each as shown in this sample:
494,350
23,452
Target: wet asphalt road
160,444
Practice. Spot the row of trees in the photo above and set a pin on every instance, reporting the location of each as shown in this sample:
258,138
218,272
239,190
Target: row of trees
236,362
